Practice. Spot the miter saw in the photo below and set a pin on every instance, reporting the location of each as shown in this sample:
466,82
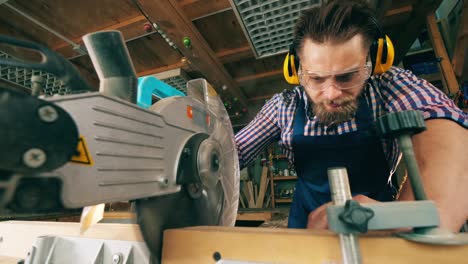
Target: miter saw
177,160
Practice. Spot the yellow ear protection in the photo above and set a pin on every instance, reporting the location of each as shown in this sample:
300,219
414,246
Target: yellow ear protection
291,65
381,51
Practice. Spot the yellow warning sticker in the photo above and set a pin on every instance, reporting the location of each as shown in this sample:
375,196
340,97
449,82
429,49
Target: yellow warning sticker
82,153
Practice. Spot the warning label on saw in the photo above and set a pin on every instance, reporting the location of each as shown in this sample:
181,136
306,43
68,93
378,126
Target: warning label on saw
82,155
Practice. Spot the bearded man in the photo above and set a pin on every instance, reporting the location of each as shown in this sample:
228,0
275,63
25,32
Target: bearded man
328,120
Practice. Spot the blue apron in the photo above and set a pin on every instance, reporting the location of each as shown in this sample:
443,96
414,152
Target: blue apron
361,152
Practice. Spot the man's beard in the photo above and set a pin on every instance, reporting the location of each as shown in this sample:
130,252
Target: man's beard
348,108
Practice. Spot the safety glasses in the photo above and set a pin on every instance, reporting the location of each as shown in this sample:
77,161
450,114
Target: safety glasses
344,80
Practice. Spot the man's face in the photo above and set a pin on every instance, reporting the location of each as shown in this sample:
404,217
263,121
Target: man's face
333,76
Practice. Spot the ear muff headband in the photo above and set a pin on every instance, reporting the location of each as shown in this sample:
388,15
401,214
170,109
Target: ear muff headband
382,55
290,68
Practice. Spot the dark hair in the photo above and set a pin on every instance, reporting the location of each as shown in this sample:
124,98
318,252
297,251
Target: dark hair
336,21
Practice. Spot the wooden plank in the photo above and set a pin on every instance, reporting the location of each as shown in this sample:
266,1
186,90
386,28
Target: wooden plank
441,52
413,27
245,191
284,200
460,55
263,187
169,16
196,9
280,245
254,216
241,199
284,178
251,194
119,215
255,194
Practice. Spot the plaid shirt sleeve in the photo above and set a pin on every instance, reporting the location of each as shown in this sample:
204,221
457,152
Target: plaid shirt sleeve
259,133
402,90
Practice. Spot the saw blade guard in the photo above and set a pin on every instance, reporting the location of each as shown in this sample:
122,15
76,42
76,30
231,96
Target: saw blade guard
222,134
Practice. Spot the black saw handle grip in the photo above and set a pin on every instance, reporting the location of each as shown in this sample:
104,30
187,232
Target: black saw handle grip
51,62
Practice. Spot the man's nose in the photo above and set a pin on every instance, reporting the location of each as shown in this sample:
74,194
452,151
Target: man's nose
332,91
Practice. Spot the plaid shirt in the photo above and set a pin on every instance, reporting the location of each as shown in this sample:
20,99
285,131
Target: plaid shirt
395,90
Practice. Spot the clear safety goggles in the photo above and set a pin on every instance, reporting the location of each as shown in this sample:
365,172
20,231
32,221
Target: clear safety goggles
343,80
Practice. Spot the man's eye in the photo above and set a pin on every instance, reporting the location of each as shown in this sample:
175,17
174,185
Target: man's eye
345,77
316,78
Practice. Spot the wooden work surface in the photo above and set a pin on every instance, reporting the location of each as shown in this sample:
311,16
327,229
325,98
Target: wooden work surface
198,244
267,245
252,215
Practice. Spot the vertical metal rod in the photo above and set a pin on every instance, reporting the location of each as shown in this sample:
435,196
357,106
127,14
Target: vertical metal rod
340,193
37,85
406,146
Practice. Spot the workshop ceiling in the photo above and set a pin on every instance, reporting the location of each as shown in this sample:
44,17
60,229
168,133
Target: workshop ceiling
224,45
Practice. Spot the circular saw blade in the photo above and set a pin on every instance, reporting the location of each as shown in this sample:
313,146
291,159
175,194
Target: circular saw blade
212,201
229,176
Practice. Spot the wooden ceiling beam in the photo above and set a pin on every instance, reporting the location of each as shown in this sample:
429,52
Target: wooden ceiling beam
413,28
459,53
169,16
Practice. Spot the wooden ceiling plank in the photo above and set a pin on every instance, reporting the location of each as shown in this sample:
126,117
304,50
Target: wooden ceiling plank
118,26
231,55
459,54
130,28
196,9
440,51
161,69
225,56
413,28
170,18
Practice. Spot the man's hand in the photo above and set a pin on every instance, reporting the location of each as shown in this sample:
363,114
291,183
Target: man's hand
318,218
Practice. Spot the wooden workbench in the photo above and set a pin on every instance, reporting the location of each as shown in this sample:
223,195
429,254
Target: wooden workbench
264,245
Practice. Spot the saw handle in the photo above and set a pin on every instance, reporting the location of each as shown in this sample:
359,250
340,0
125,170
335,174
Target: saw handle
51,62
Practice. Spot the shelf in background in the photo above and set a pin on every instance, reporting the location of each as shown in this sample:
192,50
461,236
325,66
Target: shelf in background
283,178
283,200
